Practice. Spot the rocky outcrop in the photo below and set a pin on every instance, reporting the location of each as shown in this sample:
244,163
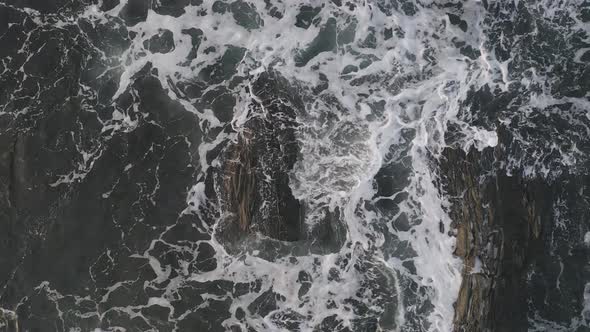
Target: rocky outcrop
498,221
255,176
253,181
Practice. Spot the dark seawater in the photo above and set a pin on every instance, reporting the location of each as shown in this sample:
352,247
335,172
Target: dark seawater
119,118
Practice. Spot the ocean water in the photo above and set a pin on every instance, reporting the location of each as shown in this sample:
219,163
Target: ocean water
384,85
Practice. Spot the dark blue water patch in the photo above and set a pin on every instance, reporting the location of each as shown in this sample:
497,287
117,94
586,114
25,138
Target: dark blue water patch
347,35
306,16
388,7
221,101
173,8
456,20
162,42
196,38
225,68
560,268
109,4
245,15
325,41
46,6
135,11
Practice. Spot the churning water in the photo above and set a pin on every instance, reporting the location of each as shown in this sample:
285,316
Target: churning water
385,86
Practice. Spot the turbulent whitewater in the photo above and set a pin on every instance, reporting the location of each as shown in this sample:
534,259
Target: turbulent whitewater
130,127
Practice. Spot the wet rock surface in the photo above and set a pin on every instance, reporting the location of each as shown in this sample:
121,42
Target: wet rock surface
504,225
254,180
255,177
498,224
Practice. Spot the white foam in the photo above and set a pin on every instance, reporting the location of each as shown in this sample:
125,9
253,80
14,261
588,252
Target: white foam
422,82
586,303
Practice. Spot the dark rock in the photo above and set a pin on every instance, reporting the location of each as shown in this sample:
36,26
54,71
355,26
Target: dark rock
498,224
255,182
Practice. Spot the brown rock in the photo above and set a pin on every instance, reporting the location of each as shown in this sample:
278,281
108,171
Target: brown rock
255,177
497,219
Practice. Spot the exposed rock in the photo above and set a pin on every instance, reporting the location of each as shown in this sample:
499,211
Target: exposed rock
255,184
498,219
259,211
